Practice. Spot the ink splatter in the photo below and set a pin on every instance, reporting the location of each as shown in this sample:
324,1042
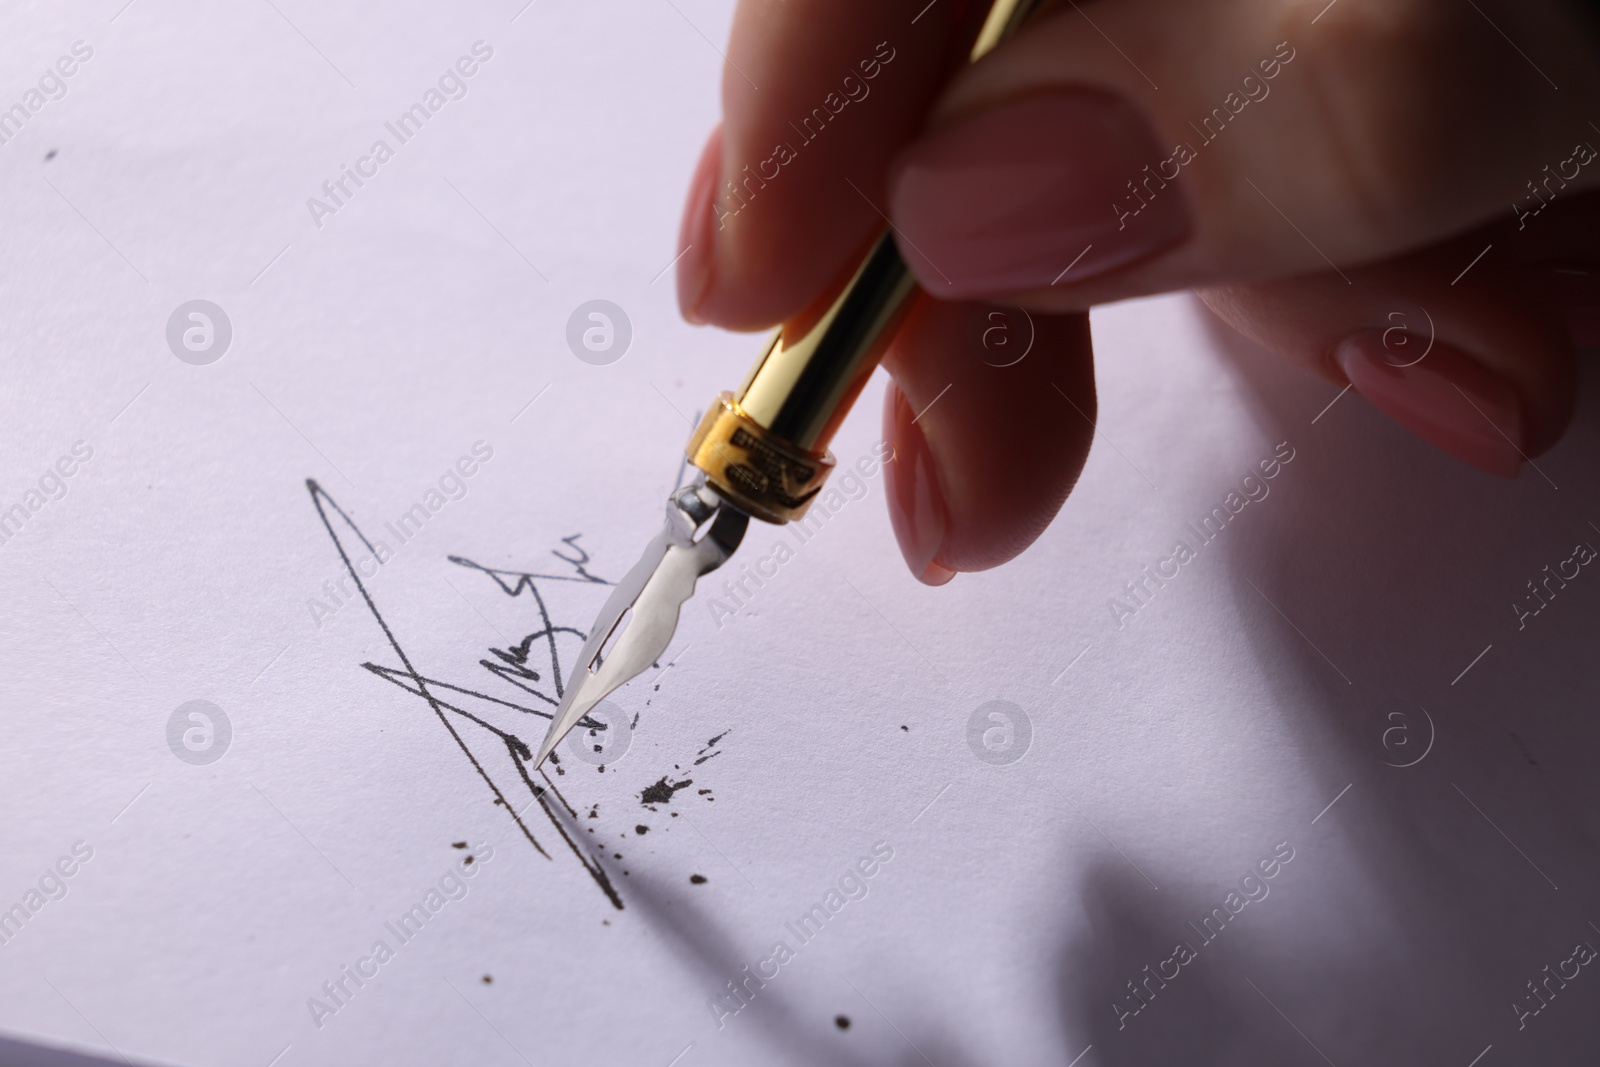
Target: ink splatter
458,844
907,729
706,753
661,792
641,829
842,1021
697,879
466,861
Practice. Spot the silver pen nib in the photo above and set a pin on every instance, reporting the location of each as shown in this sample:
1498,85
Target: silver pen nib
654,591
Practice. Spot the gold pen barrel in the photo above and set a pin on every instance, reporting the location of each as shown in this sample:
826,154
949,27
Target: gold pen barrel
803,385
765,448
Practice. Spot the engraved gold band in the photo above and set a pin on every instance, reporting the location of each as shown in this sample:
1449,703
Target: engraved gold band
758,471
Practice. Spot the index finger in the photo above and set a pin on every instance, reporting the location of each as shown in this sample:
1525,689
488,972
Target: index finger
817,98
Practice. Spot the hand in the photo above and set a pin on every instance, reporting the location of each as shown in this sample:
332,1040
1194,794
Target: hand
1311,168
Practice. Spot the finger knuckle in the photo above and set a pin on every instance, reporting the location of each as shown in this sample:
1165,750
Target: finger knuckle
1400,97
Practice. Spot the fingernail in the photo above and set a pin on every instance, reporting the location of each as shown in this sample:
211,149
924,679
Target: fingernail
696,239
916,505
1446,397
1045,190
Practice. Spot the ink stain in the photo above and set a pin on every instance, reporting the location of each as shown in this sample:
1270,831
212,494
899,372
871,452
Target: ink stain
697,879
48,156
842,1021
661,791
466,861
641,829
706,753
458,844
488,979
907,729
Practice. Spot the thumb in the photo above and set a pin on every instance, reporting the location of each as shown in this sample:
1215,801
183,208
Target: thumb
1113,150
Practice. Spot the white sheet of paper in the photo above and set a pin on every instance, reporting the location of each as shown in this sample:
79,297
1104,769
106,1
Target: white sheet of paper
1334,689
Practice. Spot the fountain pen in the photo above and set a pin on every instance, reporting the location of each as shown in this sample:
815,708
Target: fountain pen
760,452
